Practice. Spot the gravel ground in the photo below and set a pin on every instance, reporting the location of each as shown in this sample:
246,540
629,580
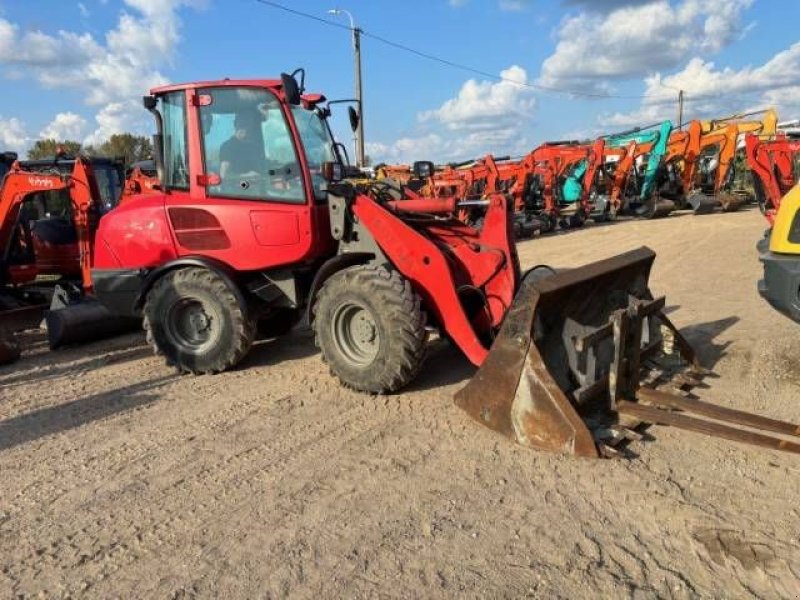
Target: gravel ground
121,478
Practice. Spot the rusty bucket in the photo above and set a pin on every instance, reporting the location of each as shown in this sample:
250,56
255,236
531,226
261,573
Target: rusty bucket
575,366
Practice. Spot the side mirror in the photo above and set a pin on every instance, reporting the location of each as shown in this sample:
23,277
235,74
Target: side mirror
423,169
332,171
290,89
150,102
352,113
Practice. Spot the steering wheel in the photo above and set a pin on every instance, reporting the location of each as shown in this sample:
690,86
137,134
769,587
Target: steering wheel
279,179
284,177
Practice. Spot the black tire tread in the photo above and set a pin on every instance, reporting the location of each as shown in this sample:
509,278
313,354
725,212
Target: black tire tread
401,305
244,327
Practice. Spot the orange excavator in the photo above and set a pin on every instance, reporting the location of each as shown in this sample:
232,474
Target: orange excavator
775,170
140,178
550,186
554,181
709,166
633,165
49,211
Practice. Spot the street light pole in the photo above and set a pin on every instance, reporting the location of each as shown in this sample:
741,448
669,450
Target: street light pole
359,132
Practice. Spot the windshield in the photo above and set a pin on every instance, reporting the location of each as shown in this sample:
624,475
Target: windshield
318,144
109,184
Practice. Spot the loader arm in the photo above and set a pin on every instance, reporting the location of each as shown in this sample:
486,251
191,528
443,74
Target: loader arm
442,259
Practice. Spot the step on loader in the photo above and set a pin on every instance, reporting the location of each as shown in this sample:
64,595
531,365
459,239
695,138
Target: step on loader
254,226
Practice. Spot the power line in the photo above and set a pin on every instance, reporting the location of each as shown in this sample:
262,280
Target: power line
447,62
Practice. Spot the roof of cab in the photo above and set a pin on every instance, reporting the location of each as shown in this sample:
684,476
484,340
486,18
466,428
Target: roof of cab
274,84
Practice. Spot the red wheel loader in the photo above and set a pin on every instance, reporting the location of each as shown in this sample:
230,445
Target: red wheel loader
251,226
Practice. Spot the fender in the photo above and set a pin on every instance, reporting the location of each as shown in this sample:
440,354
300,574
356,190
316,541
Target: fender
328,268
220,268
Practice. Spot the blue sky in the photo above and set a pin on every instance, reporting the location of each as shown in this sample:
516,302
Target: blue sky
78,69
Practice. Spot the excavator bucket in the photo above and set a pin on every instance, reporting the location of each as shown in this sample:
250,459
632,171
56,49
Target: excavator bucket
701,204
731,201
575,367
654,208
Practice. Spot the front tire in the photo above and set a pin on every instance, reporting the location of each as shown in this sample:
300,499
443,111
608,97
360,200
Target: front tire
194,319
370,327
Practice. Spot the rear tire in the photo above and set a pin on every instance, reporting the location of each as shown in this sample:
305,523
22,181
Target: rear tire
370,327
196,322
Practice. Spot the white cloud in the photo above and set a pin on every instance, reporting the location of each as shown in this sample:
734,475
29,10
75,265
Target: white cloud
64,126
123,65
449,147
118,117
483,117
633,40
13,136
710,90
482,104
83,10
39,50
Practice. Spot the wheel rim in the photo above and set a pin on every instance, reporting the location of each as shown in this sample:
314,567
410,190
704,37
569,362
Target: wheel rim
356,333
191,325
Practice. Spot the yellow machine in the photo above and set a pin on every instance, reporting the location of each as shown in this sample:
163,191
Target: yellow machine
780,253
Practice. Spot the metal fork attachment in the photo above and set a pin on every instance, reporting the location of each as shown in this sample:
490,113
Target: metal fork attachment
647,347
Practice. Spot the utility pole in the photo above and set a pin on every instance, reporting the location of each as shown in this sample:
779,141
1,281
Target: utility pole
680,109
359,96
359,132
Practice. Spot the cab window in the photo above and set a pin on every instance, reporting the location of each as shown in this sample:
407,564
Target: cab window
176,169
317,143
248,144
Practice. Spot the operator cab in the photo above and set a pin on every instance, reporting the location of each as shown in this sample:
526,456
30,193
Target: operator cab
240,165
247,145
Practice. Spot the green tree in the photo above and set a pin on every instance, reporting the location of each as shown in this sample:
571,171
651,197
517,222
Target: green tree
43,149
129,147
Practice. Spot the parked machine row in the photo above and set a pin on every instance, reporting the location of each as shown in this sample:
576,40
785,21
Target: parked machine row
645,172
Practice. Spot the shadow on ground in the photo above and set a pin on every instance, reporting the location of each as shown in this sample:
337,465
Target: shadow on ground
297,344
56,419
701,336
62,364
444,365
